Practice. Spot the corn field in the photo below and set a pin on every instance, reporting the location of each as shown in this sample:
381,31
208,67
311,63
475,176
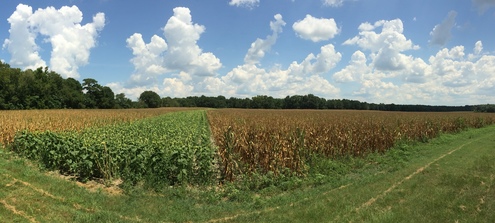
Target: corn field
59,120
277,141
273,142
168,149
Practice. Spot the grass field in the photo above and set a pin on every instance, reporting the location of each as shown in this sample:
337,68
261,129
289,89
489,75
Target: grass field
446,179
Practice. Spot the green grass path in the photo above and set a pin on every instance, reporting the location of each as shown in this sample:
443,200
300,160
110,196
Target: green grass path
449,179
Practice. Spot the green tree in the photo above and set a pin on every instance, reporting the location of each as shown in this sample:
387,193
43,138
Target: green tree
73,96
151,99
9,82
121,101
107,99
98,96
263,101
92,92
170,102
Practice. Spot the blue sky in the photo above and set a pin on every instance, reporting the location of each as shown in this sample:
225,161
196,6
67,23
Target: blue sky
405,52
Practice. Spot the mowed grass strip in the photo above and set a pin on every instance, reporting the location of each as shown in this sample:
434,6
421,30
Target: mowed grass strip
457,188
32,196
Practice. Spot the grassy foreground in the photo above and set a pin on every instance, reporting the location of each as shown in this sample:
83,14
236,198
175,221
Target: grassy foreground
449,179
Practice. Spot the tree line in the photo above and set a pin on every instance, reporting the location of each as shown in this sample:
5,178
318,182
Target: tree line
44,89
485,108
309,101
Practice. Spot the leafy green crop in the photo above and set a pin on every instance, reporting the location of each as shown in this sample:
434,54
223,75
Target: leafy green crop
171,149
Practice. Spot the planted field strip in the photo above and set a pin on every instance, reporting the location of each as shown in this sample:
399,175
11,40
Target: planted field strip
282,141
59,120
169,149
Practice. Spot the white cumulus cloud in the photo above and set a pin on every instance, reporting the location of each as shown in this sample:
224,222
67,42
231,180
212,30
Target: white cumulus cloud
478,47
259,47
251,79
319,64
316,29
441,33
70,40
21,43
387,74
299,78
148,58
448,77
178,52
477,51
352,72
387,46
176,87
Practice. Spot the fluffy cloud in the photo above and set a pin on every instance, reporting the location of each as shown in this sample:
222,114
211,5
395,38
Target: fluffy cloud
147,57
21,44
357,66
478,47
179,51
377,89
299,78
247,80
448,77
381,70
316,29
416,71
319,64
390,36
387,46
261,46
485,72
244,3
388,74
441,33
483,5
184,52
176,87
71,42
244,80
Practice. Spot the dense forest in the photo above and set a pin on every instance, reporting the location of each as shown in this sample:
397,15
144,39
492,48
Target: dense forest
44,89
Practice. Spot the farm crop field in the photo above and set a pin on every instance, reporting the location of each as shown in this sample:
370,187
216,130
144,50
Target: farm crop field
58,120
221,165
281,141
173,146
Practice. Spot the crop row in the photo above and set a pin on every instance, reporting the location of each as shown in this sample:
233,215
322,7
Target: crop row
170,149
281,141
175,148
74,120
